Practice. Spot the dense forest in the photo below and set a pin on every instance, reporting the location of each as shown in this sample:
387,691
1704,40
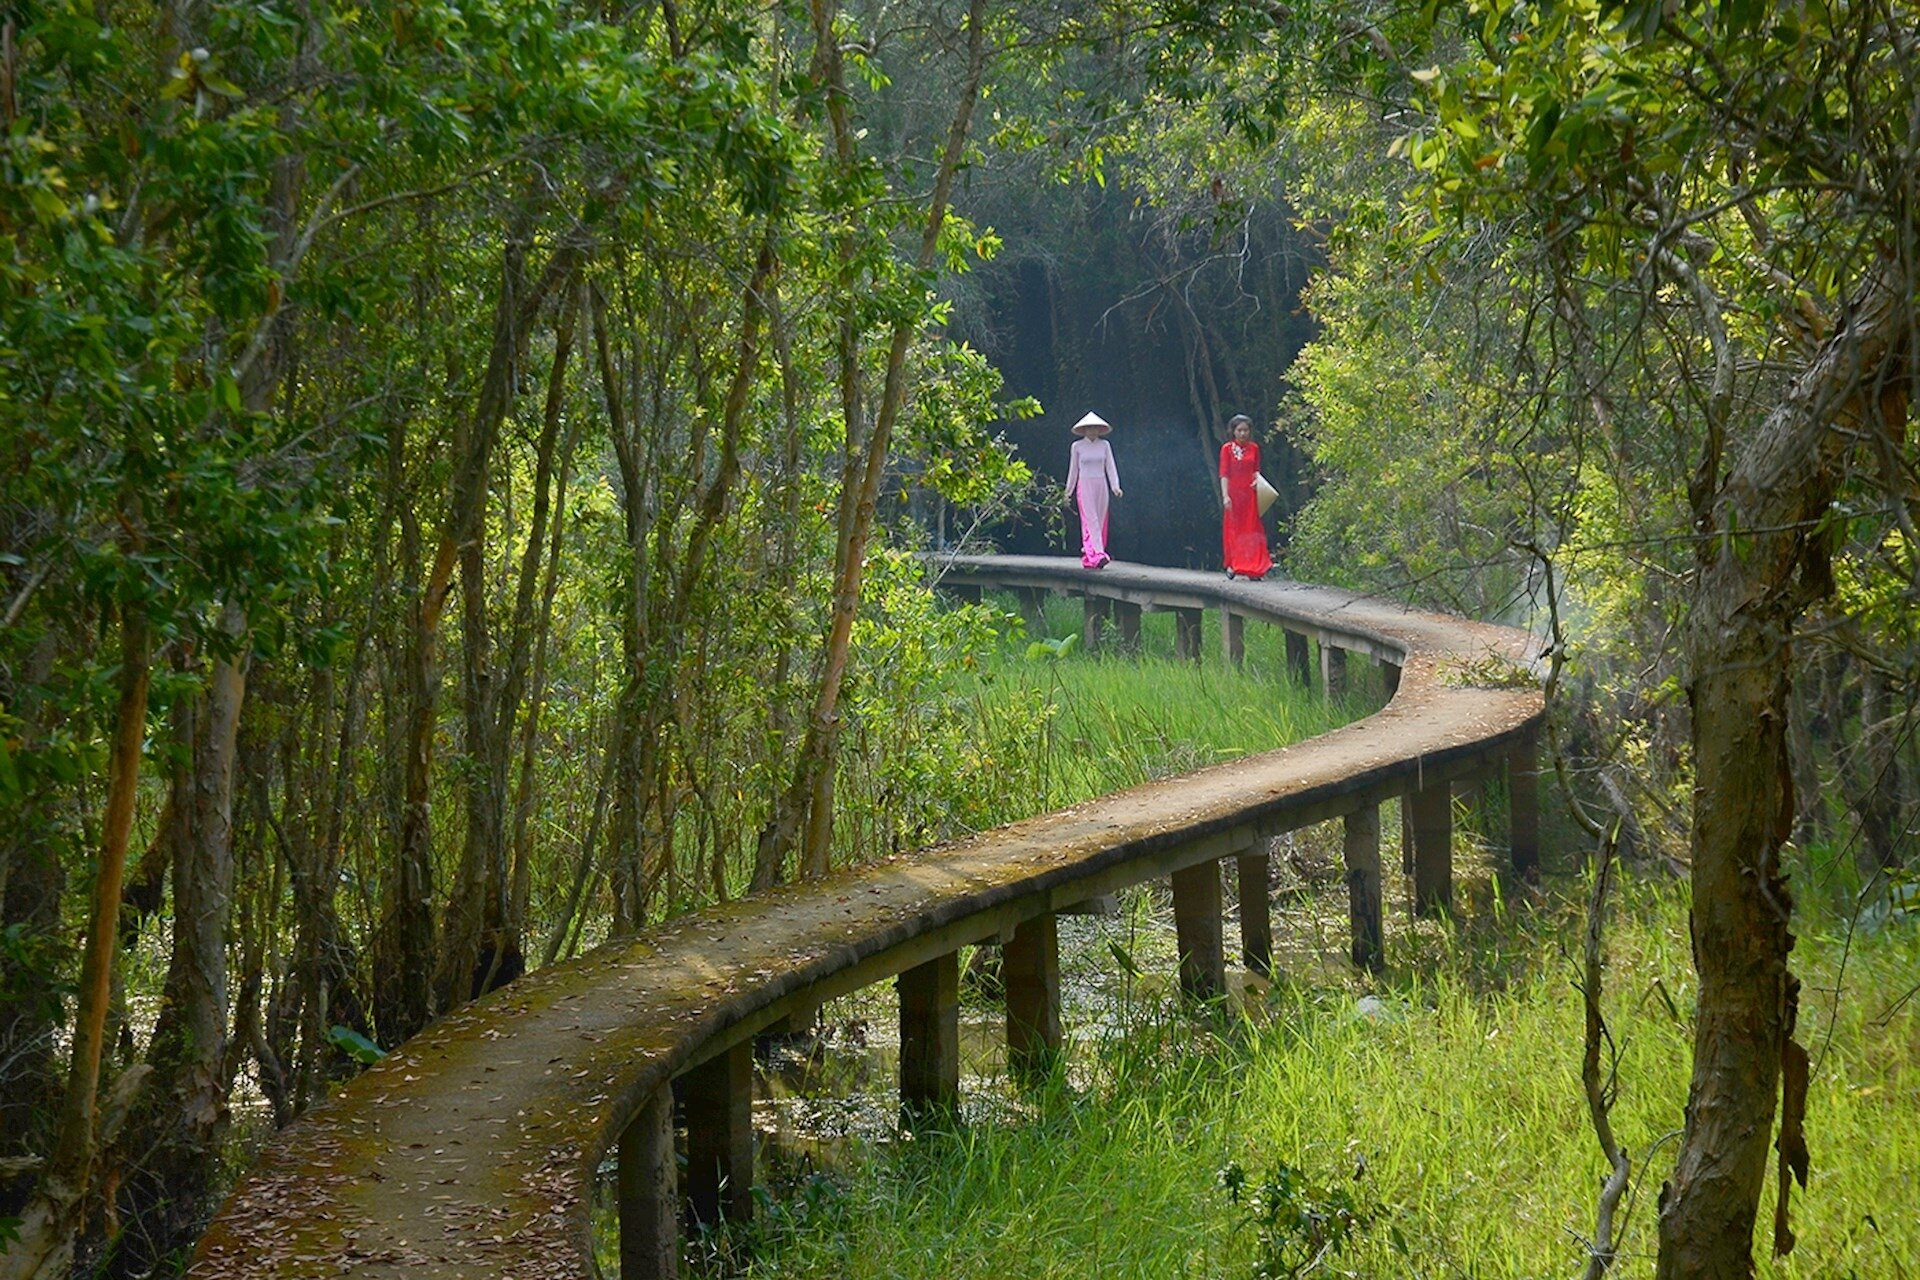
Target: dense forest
464,466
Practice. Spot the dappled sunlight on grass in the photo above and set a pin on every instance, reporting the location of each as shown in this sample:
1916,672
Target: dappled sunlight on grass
1432,1113
1060,729
1446,1103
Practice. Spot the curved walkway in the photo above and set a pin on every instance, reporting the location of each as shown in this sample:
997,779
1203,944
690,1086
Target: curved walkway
472,1150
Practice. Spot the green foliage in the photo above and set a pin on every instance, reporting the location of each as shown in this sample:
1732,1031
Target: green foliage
32,969
947,428
279,291
1420,489
904,787
1445,1139
1299,1225
1045,648
1872,586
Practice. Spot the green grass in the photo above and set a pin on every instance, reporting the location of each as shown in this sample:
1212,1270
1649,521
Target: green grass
1450,1114
1461,1103
1060,730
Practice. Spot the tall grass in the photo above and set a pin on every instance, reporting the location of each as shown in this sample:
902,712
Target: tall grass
1057,730
1450,1106
952,726
1444,1103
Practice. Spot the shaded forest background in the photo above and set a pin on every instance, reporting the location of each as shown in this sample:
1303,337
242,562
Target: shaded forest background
465,467
1165,332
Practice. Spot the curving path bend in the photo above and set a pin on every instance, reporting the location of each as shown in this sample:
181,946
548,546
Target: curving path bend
472,1149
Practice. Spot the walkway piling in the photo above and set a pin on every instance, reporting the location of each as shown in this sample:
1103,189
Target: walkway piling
649,1200
1429,813
1033,609
1256,920
1360,848
1299,659
1030,970
1233,636
1196,924
930,1039
1333,670
1094,621
1523,800
1186,633
719,1099
1126,616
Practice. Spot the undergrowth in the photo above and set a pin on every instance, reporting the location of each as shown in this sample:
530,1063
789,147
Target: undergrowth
1433,1129
1427,1123
1054,725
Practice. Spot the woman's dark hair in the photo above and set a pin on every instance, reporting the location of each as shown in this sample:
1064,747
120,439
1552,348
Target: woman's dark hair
1237,419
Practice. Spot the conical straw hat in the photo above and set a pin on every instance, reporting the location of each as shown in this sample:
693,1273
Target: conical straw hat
1089,422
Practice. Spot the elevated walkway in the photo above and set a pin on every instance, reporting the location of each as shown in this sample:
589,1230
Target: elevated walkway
472,1150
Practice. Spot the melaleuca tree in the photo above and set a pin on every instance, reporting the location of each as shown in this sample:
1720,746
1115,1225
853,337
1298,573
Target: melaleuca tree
1695,218
230,324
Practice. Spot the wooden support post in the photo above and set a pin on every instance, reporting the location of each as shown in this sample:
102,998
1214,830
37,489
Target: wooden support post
1196,925
719,1095
1233,636
649,1194
930,1040
1186,633
1126,616
1333,670
1094,621
1523,799
1390,677
1431,812
1361,847
1030,970
1256,920
1299,662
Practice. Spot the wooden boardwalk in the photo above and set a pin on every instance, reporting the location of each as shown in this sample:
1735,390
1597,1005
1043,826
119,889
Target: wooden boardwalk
472,1150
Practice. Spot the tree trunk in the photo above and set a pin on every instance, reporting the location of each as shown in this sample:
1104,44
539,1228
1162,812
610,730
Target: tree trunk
769,850
1764,559
1870,774
47,1228
475,918
178,1131
654,616
404,942
626,767
522,872
1809,731
807,802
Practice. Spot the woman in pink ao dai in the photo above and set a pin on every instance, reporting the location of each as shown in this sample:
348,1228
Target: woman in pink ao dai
1091,478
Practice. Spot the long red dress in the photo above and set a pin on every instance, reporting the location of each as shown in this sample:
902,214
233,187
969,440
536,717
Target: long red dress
1243,538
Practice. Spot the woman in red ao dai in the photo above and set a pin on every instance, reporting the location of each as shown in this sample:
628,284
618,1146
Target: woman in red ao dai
1243,536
